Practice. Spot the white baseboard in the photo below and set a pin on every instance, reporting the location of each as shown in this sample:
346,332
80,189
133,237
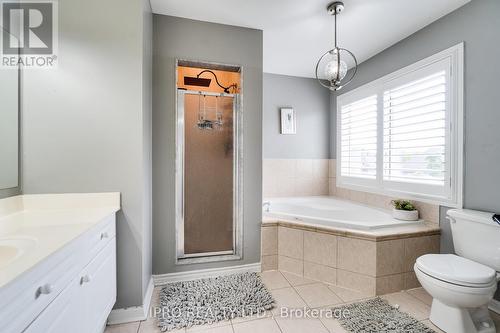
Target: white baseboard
162,279
134,313
495,306
137,313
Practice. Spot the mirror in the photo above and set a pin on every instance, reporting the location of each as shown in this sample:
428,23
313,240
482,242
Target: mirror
9,127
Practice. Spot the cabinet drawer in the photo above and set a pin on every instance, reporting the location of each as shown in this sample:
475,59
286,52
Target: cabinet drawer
84,305
62,315
33,299
101,236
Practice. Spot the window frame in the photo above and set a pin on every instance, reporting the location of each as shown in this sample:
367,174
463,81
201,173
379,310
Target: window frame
452,60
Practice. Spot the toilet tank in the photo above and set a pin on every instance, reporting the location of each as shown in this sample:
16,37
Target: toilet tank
476,236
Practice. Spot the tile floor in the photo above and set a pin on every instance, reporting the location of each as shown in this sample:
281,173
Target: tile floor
297,292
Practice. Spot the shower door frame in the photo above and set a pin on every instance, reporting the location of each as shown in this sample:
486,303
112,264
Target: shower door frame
236,253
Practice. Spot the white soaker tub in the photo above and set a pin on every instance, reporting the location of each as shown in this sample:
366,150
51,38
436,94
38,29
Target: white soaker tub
331,212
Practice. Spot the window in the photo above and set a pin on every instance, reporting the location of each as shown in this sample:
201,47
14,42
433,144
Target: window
402,134
359,138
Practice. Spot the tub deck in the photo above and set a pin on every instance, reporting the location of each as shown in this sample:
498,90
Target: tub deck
374,262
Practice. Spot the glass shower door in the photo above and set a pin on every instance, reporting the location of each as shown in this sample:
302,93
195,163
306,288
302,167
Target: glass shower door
206,140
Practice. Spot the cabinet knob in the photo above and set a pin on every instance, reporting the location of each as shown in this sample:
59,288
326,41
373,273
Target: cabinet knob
86,279
104,235
45,289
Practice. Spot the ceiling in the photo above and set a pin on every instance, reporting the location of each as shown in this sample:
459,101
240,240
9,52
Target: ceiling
297,32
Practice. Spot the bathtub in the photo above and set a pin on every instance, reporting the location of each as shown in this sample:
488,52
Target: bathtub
331,212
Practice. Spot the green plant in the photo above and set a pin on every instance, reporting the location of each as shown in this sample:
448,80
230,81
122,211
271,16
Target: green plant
403,205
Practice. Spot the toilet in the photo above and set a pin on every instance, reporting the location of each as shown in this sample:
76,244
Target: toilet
462,285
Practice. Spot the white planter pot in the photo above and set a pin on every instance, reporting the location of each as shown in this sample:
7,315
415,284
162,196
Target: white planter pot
405,215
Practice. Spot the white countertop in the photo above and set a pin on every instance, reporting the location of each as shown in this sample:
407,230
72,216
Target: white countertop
42,224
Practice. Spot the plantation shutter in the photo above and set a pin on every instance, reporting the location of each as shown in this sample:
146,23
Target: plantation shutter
358,136
415,130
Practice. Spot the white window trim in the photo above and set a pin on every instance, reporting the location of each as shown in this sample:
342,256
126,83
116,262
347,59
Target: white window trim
455,55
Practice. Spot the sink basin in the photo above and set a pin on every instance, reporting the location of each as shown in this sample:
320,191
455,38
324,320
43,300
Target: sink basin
12,249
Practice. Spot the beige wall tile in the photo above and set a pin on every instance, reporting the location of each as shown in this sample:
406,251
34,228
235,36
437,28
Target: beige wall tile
304,168
410,280
269,240
363,283
283,168
296,177
291,243
320,248
303,187
427,212
390,257
291,265
357,255
320,186
284,187
389,284
417,246
332,186
269,263
343,193
269,188
320,168
357,196
332,171
320,272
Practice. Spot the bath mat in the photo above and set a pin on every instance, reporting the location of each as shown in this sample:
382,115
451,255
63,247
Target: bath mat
378,316
206,301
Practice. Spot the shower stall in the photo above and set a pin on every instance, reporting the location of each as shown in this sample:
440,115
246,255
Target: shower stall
208,176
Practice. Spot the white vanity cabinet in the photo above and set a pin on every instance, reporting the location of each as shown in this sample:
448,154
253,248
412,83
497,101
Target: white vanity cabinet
73,291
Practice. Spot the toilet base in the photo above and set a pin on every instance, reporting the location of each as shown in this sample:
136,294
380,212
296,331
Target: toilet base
456,320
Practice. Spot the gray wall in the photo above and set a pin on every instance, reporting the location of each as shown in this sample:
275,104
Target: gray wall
147,107
311,103
478,25
84,123
188,39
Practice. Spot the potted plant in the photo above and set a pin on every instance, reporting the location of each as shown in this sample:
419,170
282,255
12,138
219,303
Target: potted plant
404,210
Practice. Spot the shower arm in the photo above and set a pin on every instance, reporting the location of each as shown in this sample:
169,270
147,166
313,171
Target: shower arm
226,89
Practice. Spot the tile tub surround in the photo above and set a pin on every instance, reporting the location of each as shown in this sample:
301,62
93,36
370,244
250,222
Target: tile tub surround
427,212
295,177
308,177
370,263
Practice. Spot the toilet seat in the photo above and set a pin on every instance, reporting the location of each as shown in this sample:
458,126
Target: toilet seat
457,270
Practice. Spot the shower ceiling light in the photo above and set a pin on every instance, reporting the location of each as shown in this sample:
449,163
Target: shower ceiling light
332,69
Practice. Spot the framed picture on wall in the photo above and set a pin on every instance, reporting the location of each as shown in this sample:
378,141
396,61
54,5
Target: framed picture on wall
288,121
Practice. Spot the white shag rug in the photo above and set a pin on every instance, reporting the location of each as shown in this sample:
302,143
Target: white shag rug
205,301
378,316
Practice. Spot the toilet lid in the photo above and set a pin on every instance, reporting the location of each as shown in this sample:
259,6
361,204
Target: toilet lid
454,269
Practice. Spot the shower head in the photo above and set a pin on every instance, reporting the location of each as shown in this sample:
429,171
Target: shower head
196,81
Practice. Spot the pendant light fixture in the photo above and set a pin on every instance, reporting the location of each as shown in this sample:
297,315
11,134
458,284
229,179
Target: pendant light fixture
332,69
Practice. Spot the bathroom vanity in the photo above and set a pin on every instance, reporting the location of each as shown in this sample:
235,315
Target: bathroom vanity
57,262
